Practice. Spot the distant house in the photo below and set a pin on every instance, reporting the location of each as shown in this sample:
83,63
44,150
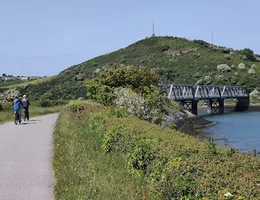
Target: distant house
24,78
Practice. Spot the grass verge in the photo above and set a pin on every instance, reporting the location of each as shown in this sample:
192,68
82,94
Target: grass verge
7,113
83,171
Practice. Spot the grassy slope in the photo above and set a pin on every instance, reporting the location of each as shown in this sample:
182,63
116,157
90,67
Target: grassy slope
153,52
32,82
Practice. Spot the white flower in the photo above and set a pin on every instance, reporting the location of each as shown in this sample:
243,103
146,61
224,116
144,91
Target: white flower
228,194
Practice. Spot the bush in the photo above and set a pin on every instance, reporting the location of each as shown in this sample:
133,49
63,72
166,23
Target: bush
1,107
223,68
176,165
102,87
151,107
251,71
249,54
51,103
241,66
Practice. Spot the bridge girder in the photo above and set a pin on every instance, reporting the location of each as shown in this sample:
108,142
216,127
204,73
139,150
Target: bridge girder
203,92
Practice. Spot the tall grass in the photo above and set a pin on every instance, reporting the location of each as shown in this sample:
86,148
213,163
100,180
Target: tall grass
82,171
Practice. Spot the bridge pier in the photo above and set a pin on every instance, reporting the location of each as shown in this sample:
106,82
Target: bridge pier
190,105
242,104
215,106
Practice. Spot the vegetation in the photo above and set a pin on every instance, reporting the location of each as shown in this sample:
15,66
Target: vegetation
23,83
134,89
176,60
104,153
6,111
9,82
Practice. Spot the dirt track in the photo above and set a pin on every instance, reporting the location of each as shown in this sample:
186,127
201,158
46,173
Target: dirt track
25,159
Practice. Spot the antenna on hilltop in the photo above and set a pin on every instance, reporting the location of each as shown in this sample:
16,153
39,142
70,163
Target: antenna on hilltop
153,30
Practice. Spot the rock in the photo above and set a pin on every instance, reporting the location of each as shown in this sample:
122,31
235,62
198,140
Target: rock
186,122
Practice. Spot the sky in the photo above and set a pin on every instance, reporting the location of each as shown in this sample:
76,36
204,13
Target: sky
42,38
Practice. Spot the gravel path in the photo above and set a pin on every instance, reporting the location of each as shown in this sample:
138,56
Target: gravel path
26,159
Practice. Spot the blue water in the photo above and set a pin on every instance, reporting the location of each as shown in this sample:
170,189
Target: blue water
239,130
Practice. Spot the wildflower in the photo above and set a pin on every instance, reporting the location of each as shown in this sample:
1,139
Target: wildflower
228,194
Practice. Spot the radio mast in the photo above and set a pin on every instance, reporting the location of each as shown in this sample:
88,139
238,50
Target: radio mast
153,34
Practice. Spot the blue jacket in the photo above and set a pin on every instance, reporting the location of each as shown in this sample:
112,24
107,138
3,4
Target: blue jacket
17,104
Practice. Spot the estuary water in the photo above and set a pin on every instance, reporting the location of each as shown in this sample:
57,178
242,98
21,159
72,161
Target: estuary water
239,130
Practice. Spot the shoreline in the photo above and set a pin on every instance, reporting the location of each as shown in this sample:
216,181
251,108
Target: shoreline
231,107
194,124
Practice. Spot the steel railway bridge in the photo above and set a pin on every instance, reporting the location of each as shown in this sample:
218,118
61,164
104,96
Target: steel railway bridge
188,96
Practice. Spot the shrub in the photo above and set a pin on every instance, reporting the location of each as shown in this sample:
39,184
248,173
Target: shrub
151,106
207,80
241,66
51,103
137,105
1,107
223,68
253,66
233,66
251,71
102,87
249,54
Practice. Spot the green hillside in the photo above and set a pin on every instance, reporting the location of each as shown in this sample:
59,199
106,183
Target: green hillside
177,60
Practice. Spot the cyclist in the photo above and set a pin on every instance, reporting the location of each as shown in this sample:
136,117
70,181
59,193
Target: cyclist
17,103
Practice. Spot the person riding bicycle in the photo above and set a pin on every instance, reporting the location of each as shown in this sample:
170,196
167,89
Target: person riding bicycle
26,104
17,103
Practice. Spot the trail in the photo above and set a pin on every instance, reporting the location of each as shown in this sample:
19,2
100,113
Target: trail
26,159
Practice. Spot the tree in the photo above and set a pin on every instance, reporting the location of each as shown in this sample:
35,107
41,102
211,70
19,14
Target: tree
4,75
102,88
249,54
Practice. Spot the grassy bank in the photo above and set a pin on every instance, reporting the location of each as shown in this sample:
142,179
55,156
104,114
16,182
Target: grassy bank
6,113
102,153
83,171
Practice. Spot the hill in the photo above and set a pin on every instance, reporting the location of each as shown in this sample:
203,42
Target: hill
177,60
